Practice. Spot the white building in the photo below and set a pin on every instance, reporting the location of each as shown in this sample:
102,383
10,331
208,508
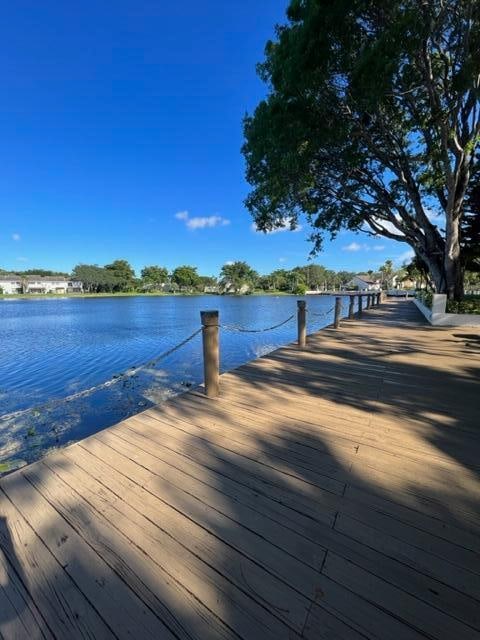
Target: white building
11,284
363,282
52,284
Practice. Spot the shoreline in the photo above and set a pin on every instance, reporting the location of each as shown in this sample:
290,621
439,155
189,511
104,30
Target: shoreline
133,294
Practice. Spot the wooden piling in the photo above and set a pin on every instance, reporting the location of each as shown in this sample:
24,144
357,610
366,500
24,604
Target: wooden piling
351,308
360,305
302,323
338,312
211,355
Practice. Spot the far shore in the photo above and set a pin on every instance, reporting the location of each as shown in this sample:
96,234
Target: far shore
131,294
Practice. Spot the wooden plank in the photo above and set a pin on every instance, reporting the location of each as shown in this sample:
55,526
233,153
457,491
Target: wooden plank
235,552
322,506
246,508
135,548
412,611
65,612
121,609
286,508
242,427
422,586
19,615
331,599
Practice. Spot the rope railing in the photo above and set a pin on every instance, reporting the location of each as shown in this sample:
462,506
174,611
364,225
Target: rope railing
231,327
321,314
210,329
115,379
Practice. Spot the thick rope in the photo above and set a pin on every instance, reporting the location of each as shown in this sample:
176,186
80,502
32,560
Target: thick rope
323,314
231,327
129,373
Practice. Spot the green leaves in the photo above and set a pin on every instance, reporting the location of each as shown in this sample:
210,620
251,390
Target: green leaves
373,112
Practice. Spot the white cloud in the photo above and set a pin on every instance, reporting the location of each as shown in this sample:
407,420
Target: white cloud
229,262
353,246
22,259
201,222
207,222
282,260
15,236
285,226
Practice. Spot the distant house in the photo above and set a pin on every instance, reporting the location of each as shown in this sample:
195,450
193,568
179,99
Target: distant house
45,284
11,284
406,282
363,282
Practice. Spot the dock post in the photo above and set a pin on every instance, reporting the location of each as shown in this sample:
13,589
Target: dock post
338,312
379,298
367,306
211,358
351,307
360,304
302,323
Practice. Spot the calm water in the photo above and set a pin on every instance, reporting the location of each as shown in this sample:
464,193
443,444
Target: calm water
52,349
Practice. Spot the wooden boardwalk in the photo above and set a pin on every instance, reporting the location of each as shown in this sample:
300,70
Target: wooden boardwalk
329,493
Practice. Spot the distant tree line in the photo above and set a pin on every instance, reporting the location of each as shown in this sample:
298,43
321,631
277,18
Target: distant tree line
235,277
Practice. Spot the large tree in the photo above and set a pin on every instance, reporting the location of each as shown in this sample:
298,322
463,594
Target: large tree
185,277
371,123
154,277
123,274
237,275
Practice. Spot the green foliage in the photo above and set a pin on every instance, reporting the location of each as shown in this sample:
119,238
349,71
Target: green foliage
95,279
387,272
186,278
206,282
300,289
426,297
236,276
371,121
42,272
470,304
154,277
123,275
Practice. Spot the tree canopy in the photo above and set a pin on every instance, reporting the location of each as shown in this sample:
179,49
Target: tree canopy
236,275
154,277
371,123
185,277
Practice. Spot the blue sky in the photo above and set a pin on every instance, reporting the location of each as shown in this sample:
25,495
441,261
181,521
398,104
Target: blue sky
121,134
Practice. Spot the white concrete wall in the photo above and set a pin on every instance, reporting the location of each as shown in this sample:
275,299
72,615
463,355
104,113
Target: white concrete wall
439,318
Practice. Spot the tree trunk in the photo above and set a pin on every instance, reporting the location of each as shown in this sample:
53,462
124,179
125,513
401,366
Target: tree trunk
454,272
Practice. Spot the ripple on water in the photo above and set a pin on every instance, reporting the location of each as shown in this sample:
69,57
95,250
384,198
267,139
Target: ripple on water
54,348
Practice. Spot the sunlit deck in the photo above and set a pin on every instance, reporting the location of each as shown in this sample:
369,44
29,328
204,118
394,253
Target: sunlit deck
328,493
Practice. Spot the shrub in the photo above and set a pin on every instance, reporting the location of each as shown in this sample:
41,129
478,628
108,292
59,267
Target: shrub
300,289
470,304
426,297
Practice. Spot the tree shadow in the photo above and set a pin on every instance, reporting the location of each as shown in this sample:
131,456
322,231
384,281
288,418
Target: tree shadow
332,494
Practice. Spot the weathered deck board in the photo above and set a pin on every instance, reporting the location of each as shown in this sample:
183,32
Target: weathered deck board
328,493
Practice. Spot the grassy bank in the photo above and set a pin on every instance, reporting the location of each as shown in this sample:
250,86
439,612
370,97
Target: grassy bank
125,294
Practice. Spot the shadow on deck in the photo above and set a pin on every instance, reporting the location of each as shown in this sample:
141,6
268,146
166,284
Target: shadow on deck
328,493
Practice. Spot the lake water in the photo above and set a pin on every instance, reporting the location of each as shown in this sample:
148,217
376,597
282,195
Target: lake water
54,350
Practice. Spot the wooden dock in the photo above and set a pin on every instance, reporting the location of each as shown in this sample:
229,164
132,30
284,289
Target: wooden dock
328,493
